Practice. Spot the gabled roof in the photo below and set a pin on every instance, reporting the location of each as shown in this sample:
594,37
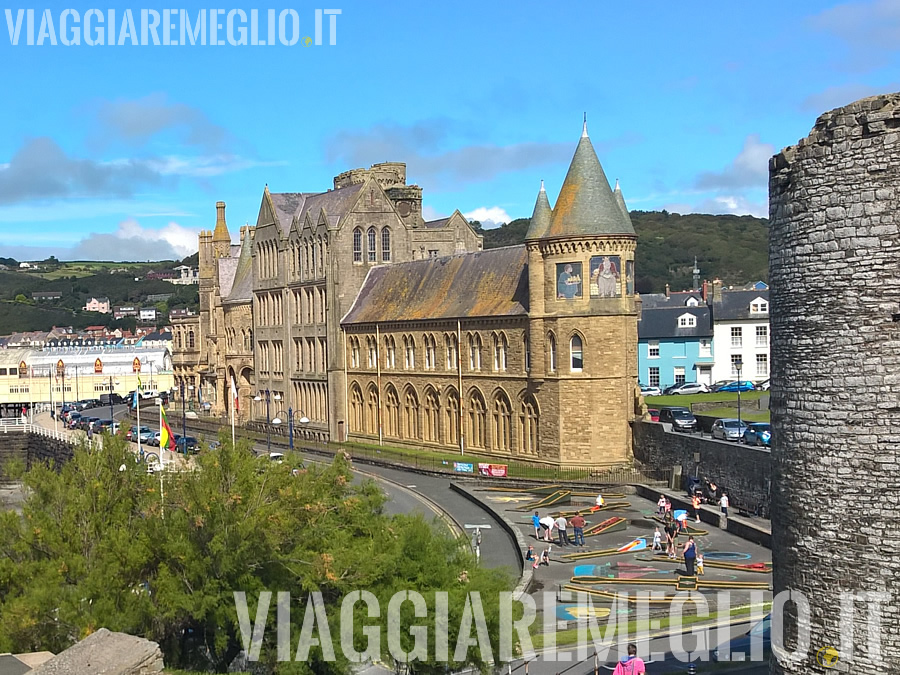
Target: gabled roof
661,300
435,224
586,205
226,269
540,217
285,204
735,305
335,203
481,284
662,323
242,287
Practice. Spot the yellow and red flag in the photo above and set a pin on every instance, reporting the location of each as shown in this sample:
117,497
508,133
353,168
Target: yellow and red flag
166,437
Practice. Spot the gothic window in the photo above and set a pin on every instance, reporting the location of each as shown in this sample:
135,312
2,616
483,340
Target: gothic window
576,351
178,339
371,353
527,349
501,347
389,352
411,415
502,429
372,411
392,419
475,346
432,415
477,418
357,245
450,349
370,235
430,352
354,352
356,409
409,350
528,426
191,339
386,245
452,418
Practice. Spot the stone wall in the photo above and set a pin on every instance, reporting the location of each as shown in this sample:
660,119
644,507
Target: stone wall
744,472
32,449
834,256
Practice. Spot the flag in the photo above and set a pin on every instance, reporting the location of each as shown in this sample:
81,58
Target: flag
166,437
234,394
139,383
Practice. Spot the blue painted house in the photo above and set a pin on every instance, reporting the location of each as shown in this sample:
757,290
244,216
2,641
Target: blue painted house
675,340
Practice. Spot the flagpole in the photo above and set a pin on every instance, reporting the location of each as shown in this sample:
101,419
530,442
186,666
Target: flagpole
52,409
137,407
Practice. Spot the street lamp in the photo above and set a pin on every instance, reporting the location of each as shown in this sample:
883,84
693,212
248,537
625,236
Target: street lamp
303,420
183,412
739,364
259,397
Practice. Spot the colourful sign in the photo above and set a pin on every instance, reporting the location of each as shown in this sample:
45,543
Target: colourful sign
23,369
60,368
492,470
98,366
136,365
463,467
636,545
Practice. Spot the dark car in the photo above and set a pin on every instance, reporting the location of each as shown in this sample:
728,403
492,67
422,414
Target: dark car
186,444
111,399
758,433
103,425
72,420
681,419
742,645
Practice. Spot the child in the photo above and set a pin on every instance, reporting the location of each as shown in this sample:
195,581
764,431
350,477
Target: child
529,554
661,505
657,540
545,556
699,564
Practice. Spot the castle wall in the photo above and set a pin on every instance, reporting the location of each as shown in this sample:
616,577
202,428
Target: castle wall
834,251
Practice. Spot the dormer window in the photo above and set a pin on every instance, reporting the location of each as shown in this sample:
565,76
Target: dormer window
687,321
759,306
692,302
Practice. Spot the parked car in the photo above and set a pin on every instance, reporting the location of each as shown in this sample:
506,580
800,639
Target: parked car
743,385
104,425
728,429
761,633
186,444
654,414
154,439
81,405
681,419
650,391
687,388
111,399
763,386
758,433
144,432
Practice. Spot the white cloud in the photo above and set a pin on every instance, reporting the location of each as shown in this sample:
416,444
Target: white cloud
735,204
204,166
869,29
750,169
431,213
132,241
841,95
488,216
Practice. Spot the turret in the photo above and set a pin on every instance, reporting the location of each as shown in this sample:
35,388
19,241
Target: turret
221,238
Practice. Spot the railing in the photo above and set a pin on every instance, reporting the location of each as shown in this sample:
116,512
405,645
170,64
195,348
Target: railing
7,425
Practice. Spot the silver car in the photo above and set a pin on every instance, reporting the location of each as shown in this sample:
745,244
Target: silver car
728,429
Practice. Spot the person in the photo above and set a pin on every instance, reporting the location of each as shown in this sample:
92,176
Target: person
661,505
547,522
561,525
545,556
695,502
536,521
608,281
724,504
690,556
600,501
668,505
529,554
632,665
670,537
699,564
577,523
682,521
657,540
568,285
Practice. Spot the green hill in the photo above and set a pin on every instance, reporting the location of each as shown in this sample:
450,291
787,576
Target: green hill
731,248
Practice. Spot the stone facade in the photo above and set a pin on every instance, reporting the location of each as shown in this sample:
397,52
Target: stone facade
834,250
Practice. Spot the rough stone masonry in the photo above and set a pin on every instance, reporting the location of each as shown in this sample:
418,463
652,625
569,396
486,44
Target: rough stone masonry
834,257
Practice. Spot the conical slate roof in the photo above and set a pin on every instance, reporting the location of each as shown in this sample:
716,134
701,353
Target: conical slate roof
586,205
620,200
540,219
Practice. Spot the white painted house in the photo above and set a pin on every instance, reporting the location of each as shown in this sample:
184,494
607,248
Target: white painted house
741,332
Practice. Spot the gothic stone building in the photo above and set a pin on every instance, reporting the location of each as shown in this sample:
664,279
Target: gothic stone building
381,327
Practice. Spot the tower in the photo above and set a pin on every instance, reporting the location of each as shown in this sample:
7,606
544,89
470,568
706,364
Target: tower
221,238
582,315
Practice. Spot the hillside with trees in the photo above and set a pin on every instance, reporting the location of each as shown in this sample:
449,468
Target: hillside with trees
731,248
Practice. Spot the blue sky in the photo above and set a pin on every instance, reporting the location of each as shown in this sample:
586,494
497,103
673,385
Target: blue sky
120,152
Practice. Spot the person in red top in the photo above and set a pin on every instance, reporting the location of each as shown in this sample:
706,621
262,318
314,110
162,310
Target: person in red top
695,502
577,524
633,665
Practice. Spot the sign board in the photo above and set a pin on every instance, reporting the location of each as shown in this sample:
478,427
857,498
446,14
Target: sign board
493,470
98,366
463,467
23,369
136,365
60,368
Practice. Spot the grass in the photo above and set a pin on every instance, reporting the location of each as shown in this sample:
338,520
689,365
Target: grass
746,415
686,400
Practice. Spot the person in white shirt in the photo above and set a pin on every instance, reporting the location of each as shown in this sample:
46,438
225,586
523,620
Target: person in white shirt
661,505
724,504
600,500
561,525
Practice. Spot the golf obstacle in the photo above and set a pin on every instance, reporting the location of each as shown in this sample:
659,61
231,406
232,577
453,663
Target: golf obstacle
757,568
558,497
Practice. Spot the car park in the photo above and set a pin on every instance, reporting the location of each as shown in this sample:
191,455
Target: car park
687,388
758,433
650,391
728,429
681,419
743,385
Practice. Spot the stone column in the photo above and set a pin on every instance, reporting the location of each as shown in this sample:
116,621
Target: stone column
834,253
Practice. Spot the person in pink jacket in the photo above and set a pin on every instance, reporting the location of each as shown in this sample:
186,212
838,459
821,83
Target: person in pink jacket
633,665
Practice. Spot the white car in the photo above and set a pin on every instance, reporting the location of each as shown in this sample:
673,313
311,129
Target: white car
651,391
688,388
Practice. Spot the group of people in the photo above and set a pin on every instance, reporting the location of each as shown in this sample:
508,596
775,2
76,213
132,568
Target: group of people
544,527
693,560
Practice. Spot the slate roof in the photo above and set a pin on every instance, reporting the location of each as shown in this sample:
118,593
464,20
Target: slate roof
10,665
663,323
286,205
242,286
540,217
434,224
227,267
335,203
481,284
586,205
735,305
620,200
661,300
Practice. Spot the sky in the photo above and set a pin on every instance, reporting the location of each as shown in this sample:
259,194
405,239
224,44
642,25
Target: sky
120,152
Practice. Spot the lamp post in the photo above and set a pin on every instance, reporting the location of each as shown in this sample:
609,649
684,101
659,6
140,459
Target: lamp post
739,364
303,420
111,414
183,412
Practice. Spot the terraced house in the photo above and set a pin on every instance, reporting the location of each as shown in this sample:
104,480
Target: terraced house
380,326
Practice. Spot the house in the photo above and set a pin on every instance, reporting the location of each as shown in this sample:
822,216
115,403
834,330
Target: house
147,314
741,333
186,276
179,313
46,295
24,266
100,305
675,340
127,310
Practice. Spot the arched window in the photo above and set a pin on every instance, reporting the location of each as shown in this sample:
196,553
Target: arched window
191,339
178,339
314,266
528,426
450,349
409,351
576,351
356,409
354,352
371,352
477,418
389,352
411,415
430,352
432,415
552,342
392,418
386,245
372,411
501,347
527,348
502,429
321,256
371,244
452,418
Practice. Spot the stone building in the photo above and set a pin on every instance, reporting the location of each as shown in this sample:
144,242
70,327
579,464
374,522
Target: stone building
507,351
834,250
348,308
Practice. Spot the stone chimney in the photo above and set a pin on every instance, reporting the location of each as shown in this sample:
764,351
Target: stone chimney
667,290
704,290
717,290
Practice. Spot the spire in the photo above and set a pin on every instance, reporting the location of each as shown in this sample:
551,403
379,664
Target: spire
221,231
620,202
540,219
584,133
586,206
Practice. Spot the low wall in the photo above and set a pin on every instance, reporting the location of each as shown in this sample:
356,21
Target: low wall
32,449
744,472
